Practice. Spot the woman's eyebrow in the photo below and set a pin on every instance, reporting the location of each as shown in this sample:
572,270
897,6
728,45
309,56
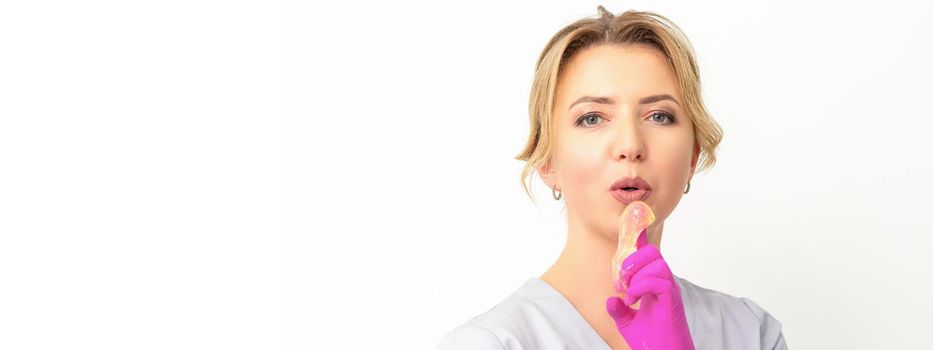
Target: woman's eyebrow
595,99
656,98
609,100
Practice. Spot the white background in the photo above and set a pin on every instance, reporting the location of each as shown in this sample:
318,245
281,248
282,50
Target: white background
242,175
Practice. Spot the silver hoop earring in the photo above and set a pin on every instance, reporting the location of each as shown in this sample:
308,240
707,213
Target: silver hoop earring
556,194
688,187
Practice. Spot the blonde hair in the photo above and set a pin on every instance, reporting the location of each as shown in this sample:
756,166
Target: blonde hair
631,27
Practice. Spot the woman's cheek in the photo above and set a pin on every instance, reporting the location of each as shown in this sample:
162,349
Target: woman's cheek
583,164
673,169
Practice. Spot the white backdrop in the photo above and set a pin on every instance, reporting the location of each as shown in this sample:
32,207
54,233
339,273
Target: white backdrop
221,174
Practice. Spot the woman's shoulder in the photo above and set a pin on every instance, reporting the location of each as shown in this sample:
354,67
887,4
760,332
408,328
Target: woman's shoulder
470,336
489,329
721,320
499,325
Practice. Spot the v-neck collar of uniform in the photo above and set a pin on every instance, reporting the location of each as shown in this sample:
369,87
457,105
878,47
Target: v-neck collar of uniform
571,322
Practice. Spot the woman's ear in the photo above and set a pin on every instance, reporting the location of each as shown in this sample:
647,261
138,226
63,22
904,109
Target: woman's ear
693,161
696,156
546,171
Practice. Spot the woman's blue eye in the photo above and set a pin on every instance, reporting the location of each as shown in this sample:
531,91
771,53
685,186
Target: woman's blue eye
662,114
593,118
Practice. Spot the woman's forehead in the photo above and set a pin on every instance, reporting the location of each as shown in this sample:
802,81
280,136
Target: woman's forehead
625,73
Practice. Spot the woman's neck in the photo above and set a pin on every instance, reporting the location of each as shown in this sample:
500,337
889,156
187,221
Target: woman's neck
582,275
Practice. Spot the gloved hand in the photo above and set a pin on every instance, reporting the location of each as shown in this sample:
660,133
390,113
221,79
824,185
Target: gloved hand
660,322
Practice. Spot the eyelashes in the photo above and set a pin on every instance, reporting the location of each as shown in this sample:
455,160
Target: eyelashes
596,117
663,114
587,116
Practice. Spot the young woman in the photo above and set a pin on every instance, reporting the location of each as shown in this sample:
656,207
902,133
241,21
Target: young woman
616,116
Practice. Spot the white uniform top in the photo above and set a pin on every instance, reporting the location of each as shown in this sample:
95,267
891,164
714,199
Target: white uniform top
536,316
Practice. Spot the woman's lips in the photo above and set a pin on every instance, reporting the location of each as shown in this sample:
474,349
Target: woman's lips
627,197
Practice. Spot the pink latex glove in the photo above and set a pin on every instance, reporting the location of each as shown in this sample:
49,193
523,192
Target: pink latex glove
660,322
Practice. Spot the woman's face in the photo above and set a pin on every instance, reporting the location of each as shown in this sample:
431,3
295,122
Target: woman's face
617,114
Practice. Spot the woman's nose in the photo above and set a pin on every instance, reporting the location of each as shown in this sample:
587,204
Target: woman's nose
631,153
629,143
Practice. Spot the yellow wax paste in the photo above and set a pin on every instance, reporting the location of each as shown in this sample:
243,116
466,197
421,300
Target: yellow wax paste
635,218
